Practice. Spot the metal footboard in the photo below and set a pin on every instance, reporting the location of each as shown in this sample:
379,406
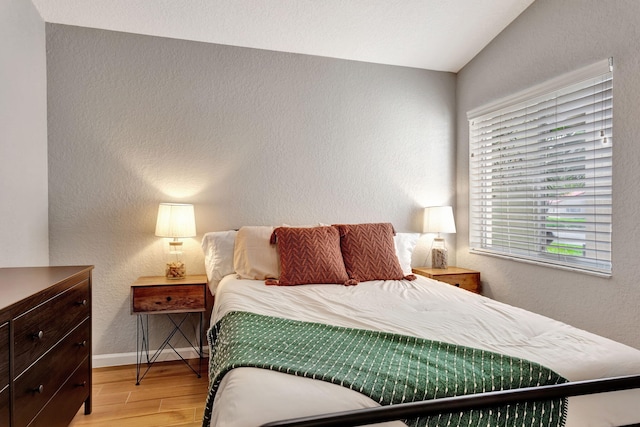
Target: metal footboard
460,403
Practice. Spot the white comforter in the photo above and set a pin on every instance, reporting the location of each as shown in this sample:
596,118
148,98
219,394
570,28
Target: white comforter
424,308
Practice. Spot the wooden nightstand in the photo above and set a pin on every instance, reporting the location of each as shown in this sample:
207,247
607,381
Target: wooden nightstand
460,277
177,299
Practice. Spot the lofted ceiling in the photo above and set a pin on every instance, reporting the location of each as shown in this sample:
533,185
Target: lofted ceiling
440,35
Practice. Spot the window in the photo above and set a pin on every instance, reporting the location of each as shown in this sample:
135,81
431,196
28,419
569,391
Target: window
541,173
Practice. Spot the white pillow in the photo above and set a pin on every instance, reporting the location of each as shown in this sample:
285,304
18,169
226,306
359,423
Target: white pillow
218,253
254,257
405,243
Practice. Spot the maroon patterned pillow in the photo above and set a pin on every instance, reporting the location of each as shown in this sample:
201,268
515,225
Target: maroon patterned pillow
309,255
369,252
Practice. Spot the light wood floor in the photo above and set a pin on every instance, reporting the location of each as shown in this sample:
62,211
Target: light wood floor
169,395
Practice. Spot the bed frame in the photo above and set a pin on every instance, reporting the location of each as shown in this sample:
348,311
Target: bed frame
460,403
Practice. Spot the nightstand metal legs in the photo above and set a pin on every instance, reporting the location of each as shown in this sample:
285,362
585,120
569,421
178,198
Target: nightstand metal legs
142,343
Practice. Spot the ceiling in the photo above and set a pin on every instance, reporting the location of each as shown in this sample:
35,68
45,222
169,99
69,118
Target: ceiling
440,35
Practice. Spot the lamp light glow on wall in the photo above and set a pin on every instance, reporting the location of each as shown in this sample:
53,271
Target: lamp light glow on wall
175,220
439,219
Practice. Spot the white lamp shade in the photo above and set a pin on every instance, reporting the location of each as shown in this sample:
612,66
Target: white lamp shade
439,219
176,220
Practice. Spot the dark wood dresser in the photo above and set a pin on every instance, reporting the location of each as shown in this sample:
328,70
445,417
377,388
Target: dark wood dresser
45,345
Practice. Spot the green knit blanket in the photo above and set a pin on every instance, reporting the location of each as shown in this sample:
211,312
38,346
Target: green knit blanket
389,368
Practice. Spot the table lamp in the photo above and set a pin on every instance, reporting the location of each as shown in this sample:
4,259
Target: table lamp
439,219
175,220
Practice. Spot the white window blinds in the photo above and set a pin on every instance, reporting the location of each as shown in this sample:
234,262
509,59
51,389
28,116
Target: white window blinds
541,173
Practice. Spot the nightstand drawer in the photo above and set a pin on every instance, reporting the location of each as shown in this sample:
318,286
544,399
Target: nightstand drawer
169,298
456,276
469,282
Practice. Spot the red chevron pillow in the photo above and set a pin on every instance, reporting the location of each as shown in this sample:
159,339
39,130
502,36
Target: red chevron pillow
369,252
309,255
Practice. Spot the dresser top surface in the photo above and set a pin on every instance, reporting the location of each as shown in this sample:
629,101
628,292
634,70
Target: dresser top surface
18,283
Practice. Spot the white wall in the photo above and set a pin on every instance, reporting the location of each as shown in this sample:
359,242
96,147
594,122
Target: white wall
23,136
250,137
550,38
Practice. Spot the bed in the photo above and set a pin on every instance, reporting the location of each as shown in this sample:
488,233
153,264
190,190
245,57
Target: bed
241,263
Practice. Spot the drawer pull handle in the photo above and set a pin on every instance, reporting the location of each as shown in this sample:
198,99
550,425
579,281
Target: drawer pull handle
39,389
83,343
38,335
82,384
82,303
168,299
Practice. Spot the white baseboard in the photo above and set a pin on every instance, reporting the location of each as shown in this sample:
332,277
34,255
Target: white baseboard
119,359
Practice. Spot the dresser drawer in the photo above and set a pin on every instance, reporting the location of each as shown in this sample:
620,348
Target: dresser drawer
40,328
39,383
4,406
45,336
167,299
4,355
4,375
62,408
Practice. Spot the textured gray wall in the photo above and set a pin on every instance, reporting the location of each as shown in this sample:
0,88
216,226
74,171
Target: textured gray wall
23,136
550,38
250,137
